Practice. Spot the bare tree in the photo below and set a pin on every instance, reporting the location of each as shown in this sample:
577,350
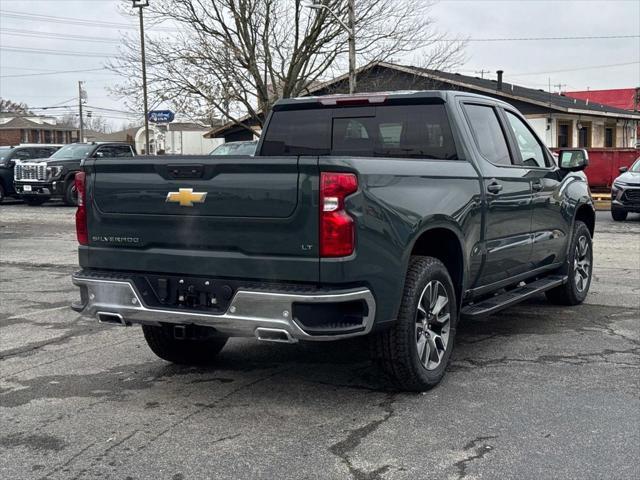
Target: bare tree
229,58
93,122
7,105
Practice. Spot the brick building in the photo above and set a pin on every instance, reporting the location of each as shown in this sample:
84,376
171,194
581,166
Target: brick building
16,128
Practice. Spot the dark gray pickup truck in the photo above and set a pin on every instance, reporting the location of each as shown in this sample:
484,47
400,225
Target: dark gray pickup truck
391,215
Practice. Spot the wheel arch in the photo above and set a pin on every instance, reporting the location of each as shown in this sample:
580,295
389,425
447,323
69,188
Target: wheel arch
70,176
444,241
586,213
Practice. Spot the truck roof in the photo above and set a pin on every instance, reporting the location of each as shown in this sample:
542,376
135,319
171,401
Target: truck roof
372,98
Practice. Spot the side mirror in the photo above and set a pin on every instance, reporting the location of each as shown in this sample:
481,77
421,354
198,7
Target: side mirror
99,155
573,160
623,169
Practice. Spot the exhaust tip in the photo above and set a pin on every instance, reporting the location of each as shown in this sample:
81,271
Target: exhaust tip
111,318
274,335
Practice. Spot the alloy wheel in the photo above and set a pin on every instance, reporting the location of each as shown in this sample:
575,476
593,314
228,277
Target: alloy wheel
582,264
433,320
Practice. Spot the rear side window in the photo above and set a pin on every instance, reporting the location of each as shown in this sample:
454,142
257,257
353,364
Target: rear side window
405,131
113,151
489,136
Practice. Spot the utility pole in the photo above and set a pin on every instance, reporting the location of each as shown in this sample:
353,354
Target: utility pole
81,96
140,4
352,46
349,27
482,72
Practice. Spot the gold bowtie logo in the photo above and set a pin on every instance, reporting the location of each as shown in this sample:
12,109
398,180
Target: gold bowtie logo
186,197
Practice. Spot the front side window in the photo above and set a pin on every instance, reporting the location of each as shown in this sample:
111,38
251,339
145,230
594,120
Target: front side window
529,146
489,136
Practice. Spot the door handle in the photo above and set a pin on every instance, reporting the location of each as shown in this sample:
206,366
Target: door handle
537,186
494,188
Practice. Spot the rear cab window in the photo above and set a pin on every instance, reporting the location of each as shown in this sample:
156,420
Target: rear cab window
395,131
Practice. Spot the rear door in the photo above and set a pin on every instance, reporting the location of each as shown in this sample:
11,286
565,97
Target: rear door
508,196
248,217
549,228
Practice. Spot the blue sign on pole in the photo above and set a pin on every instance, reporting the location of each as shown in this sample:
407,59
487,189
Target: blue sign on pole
161,116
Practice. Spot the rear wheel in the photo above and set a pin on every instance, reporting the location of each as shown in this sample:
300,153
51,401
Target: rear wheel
618,214
579,268
70,193
415,351
34,201
199,347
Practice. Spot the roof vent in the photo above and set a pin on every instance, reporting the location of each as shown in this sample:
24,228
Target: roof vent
500,72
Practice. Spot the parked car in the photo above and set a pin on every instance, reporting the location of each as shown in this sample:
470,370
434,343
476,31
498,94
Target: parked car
389,215
235,148
625,192
40,180
8,157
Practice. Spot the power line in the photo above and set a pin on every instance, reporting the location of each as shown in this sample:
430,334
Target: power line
58,52
73,20
56,36
574,69
535,39
59,72
92,23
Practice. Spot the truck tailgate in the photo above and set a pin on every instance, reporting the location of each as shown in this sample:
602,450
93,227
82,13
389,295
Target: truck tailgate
248,217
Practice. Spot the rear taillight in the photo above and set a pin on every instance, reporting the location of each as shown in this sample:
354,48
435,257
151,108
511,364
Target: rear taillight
81,213
337,233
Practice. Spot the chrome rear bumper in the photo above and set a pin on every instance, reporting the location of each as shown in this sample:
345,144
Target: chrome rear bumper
263,314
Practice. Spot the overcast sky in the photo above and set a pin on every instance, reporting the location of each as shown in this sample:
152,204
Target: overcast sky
25,75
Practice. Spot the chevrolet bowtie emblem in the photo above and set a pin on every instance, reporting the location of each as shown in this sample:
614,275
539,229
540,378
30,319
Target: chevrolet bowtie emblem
186,197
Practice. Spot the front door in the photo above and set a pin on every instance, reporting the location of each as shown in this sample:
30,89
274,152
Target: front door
507,242
549,228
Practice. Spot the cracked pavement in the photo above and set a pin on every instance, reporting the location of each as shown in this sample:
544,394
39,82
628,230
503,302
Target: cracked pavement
536,391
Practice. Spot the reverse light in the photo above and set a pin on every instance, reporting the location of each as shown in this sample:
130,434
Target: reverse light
337,231
82,231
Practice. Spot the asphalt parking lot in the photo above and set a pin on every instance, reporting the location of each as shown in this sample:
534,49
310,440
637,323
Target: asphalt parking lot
538,391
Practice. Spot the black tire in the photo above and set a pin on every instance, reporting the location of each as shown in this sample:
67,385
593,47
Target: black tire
396,349
70,195
2,193
33,201
200,350
619,215
578,272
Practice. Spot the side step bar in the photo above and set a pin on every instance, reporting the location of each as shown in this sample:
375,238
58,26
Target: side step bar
492,305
